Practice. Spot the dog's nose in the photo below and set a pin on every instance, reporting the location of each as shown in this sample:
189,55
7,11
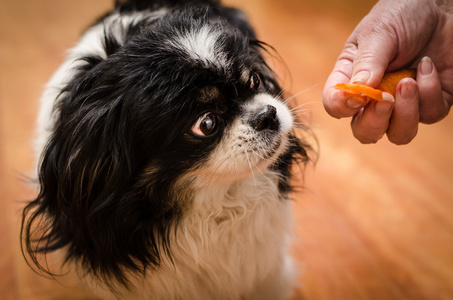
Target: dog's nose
265,118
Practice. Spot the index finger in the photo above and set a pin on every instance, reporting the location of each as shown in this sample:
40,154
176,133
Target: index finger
337,103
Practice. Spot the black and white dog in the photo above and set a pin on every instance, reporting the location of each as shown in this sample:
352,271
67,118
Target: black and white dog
165,155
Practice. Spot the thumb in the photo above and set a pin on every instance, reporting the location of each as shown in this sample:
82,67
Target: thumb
376,47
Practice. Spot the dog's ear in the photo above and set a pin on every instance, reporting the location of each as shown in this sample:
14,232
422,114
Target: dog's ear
92,199
83,173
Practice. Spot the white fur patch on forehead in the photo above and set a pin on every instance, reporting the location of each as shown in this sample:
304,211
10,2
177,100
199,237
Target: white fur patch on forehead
202,44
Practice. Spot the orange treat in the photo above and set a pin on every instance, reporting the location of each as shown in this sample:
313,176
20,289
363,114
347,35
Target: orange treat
360,91
388,84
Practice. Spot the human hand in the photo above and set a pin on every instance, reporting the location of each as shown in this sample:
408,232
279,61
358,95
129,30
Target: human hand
396,34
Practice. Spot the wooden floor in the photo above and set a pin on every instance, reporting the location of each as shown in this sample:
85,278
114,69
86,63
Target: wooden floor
373,222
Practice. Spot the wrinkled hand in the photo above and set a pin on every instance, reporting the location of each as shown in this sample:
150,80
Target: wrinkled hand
396,34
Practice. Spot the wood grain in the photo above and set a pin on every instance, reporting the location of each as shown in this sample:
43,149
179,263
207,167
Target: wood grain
373,221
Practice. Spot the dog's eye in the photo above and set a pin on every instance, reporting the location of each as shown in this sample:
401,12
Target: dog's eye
255,81
206,125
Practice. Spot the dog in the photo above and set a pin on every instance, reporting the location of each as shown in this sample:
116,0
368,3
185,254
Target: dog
165,153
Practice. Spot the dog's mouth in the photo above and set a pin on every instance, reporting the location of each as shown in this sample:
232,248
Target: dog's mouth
264,149
263,144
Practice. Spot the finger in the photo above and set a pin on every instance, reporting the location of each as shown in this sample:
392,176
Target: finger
433,106
403,125
376,48
372,122
337,103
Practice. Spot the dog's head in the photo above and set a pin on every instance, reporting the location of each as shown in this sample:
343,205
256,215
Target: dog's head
176,98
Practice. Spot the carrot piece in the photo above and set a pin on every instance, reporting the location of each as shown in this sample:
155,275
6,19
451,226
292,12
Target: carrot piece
360,91
388,84
390,80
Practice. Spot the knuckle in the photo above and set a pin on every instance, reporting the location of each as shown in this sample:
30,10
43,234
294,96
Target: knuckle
433,116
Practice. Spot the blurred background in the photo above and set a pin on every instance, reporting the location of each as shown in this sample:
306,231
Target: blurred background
373,221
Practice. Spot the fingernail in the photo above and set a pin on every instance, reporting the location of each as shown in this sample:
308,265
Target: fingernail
426,66
382,108
355,103
387,97
408,90
361,77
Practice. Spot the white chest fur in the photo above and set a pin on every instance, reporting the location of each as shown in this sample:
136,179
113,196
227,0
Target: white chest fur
233,244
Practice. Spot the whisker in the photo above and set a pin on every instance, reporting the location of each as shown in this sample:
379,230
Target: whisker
303,126
259,156
305,104
264,175
251,169
280,94
286,101
304,91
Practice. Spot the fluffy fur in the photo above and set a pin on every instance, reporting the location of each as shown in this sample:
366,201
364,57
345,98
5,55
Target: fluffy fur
165,155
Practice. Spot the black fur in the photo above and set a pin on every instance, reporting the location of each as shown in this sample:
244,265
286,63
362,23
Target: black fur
125,115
